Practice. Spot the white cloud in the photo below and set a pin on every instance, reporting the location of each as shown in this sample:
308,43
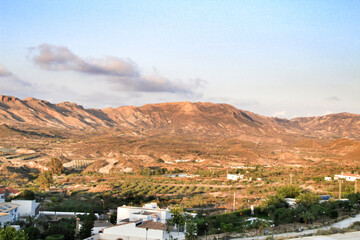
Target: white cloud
123,74
4,72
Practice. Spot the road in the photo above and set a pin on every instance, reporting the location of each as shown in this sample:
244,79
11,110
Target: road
339,236
341,224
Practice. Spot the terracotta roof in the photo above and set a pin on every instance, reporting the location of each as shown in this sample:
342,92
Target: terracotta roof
3,214
152,225
10,189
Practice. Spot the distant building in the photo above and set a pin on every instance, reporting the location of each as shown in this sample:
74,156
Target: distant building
347,177
291,201
149,211
234,176
7,191
27,208
11,209
182,160
328,178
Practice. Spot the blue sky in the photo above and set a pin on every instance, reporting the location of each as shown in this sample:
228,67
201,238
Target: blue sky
275,58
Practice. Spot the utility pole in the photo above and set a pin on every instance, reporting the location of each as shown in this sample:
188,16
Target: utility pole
291,176
356,186
234,203
340,181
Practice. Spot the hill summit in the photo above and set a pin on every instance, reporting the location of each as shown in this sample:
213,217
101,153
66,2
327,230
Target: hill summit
176,117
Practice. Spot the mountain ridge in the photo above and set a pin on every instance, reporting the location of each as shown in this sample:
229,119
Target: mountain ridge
173,117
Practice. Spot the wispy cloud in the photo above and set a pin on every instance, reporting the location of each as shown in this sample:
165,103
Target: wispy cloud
4,72
279,114
123,73
333,98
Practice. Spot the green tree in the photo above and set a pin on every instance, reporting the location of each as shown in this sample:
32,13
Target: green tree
177,216
307,216
191,229
87,226
307,199
10,233
288,191
26,195
45,180
55,166
113,218
32,232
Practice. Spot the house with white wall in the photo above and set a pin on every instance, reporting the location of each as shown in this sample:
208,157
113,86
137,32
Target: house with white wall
149,211
234,177
2,197
11,209
139,230
4,219
27,208
347,177
7,191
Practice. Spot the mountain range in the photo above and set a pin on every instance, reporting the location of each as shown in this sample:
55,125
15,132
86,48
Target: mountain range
177,117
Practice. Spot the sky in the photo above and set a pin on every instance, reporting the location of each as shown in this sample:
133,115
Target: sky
275,58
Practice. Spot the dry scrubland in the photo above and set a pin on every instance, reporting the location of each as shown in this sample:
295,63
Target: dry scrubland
126,152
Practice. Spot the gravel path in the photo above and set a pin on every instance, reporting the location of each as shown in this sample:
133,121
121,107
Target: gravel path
341,224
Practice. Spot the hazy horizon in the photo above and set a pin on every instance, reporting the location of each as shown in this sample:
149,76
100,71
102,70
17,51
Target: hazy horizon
280,58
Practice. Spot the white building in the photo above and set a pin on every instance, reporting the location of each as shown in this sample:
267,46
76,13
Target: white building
347,177
7,191
11,209
2,197
149,211
99,226
138,230
328,178
234,177
27,207
4,218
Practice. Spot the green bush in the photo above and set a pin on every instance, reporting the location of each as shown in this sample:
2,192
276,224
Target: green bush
55,237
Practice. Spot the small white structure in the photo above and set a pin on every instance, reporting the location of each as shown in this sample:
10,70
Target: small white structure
291,201
328,178
182,160
139,230
27,208
11,209
234,177
149,211
347,177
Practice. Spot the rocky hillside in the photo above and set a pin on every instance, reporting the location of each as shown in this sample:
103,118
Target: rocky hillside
179,117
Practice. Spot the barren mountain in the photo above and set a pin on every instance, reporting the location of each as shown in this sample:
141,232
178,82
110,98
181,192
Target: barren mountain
180,117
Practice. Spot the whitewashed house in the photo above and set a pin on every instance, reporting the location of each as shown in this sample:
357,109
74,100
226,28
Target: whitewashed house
347,177
27,208
149,211
2,197
4,218
99,226
7,191
138,230
234,177
11,209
